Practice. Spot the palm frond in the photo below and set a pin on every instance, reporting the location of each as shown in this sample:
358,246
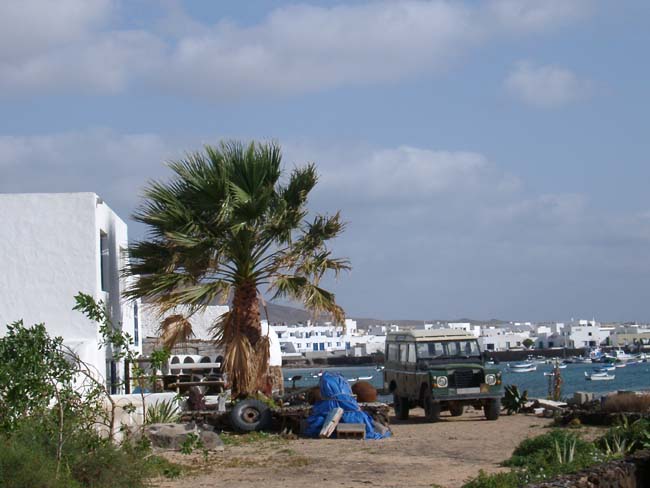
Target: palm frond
175,329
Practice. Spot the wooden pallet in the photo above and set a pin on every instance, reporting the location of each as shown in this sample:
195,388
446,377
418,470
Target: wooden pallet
351,431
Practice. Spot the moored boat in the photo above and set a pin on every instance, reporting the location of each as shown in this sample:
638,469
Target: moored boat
522,367
599,376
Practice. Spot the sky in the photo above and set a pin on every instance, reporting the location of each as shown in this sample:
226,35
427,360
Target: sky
489,156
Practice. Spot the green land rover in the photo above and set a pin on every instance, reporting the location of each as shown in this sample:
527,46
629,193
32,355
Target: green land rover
440,370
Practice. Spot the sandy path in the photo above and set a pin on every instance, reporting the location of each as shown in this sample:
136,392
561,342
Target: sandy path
418,455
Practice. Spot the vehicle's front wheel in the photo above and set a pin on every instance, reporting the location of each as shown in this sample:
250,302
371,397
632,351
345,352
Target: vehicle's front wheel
401,406
431,409
492,409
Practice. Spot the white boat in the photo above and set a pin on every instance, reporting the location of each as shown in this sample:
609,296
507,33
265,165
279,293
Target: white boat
581,360
522,367
599,376
620,365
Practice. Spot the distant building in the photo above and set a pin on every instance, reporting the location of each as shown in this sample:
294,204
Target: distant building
54,245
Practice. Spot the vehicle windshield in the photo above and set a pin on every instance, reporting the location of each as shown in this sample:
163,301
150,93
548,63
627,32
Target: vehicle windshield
448,349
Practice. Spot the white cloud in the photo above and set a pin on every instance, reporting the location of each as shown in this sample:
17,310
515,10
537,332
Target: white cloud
537,15
28,27
295,49
546,86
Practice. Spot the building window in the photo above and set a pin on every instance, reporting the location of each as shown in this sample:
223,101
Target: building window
136,324
103,250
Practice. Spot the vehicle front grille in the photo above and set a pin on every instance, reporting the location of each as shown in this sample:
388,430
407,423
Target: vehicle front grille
466,378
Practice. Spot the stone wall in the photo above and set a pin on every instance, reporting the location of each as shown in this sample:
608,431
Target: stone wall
631,472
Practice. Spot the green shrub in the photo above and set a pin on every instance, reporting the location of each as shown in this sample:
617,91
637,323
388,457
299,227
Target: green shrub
512,479
163,412
28,465
554,453
626,437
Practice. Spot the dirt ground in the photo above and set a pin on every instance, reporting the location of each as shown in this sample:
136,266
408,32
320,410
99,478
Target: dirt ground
419,454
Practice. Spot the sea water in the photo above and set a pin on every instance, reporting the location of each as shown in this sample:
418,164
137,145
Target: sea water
633,377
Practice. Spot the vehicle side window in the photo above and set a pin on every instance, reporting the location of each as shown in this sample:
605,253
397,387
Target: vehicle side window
403,352
411,353
392,352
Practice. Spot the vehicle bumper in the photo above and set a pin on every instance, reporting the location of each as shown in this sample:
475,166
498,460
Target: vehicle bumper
438,397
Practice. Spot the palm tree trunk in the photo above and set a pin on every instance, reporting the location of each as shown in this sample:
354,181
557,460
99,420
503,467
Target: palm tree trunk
246,310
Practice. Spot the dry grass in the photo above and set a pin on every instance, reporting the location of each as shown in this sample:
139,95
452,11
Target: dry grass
627,402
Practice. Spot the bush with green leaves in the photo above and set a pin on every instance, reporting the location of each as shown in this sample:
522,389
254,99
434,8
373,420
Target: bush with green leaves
626,437
554,453
510,479
50,408
163,412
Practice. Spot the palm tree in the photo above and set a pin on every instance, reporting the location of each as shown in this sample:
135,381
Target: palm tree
225,228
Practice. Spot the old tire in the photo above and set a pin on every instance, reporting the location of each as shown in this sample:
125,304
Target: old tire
456,410
431,409
492,409
401,406
250,415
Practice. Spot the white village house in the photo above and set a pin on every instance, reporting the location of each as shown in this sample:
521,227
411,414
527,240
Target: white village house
54,245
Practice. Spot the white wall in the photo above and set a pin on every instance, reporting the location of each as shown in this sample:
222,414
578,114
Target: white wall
202,323
50,248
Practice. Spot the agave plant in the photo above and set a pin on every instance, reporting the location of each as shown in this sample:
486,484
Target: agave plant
226,229
514,401
163,412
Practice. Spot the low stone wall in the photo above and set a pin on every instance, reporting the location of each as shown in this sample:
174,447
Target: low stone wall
631,472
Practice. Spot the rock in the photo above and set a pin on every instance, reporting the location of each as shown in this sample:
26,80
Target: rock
172,436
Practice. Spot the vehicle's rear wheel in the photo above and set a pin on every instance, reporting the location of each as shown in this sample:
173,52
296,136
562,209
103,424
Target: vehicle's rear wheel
492,409
431,409
456,409
401,406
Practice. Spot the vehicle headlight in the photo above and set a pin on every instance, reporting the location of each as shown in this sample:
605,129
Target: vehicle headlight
491,379
442,382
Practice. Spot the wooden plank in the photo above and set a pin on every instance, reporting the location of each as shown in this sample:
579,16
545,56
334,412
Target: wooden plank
351,431
331,421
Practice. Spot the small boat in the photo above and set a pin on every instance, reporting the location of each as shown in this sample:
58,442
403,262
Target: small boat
599,376
581,360
604,369
522,367
379,368
620,365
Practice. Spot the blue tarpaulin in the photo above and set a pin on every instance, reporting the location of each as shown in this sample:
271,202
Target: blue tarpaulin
336,392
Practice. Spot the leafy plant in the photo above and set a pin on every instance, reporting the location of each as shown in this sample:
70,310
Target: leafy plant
512,479
626,437
192,441
557,452
163,412
565,451
514,401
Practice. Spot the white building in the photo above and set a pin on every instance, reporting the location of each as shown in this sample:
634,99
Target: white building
475,330
501,339
53,246
307,339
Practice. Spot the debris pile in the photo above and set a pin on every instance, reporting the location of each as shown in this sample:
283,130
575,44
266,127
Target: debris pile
336,394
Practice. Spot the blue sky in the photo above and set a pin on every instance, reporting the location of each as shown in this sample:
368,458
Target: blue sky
491,156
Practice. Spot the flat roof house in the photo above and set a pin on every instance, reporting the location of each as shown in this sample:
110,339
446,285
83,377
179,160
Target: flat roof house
52,246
